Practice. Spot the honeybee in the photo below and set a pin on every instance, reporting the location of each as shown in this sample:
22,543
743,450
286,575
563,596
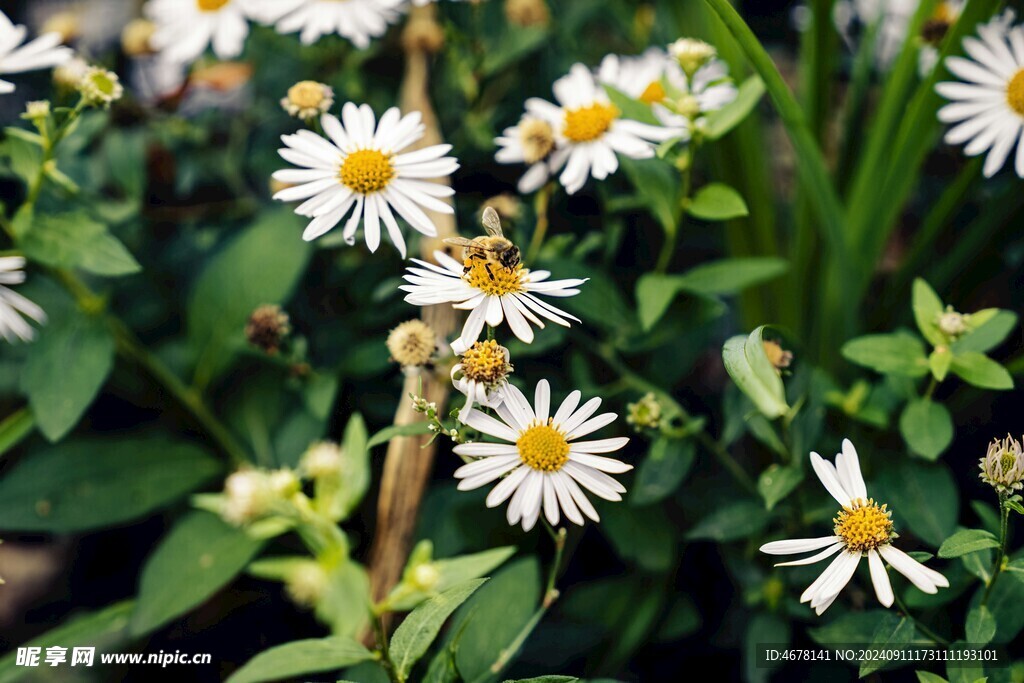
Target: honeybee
494,249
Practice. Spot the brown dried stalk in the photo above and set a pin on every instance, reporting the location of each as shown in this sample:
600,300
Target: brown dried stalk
408,463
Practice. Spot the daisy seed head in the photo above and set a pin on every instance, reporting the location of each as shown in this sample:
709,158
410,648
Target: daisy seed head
100,87
413,344
538,139
589,123
645,413
306,584
423,35
777,356
486,362
952,324
308,99
1002,468
543,448
691,54
323,459
864,525
527,12
267,328
135,38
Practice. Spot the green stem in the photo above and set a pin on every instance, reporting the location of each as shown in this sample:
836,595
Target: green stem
668,249
540,207
925,631
932,386
640,384
1004,532
382,644
548,599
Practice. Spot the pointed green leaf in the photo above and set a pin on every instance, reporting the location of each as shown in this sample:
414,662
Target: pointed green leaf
717,202
74,240
720,122
663,470
777,482
939,361
967,541
748,366
985,336
888,354
981,371
302,657
981,626
927,309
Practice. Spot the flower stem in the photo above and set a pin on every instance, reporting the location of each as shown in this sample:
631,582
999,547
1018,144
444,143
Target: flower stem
925,631
668,249
551,594
1004,532
540,230
382,645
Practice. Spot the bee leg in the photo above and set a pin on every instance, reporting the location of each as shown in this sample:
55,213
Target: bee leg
487,267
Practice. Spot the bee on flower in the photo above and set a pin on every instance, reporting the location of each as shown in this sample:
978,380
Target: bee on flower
862,528
542,465
492,284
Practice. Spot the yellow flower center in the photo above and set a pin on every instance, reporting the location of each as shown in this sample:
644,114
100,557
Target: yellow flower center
589,123
367,171
864,525
306,94
211,5
537,138
543,448
492,278
485,361
1007,461
653,93
1015,92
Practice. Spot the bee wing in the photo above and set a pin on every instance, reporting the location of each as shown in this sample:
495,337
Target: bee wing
459,241
492,224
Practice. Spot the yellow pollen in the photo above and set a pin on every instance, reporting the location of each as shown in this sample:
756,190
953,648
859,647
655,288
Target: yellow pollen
1007,461
589,123
492,278
306,94
864,525
537,138
211,5
653,93
367,171
485,362
543,448
1015,92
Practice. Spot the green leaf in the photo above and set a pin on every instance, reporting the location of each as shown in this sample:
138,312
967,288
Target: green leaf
720,122
95,483
197,558
450,571
388,433
74,240
658,184
545,679
717,202
896,354
777,482
851,627
762,629
631,109
927,309
302,657
981,626
939,361
65,369
981,371
103,629
491,619
749,367
663,470
987,335
927,427
1004,602
420,628
345,604
15,428
653,550
967,541
911,487
926,677
891,635
513,45
260,266
731,522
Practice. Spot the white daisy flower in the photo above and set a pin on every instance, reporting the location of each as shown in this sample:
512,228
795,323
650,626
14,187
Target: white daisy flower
640,77
545,463
893,17
357,20
481,375
863,528
988,106
41,53
14,306
359,169
530,142
491,294
589,131
185,28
